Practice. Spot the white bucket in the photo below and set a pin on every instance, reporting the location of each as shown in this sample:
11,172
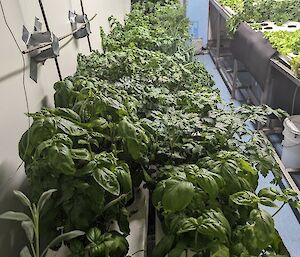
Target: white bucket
291,143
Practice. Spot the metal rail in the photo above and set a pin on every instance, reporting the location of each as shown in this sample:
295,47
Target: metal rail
226,13
282,60
284,171
279,63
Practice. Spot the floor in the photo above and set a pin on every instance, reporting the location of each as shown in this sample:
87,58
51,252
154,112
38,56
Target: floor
285,221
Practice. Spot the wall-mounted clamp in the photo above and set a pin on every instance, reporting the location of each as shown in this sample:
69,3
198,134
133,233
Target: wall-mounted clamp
34,40
76,19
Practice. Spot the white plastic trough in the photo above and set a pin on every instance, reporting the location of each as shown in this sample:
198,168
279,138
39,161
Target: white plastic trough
138,224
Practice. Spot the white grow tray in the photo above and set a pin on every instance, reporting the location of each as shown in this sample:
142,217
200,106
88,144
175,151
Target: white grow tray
138,224
290,26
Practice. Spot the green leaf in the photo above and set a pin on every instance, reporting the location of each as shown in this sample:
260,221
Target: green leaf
23,198
220,251
290,192
136,148
208,184
295,204
118,245
267,202
178,250
61,159
126,129
25,252
124,180
18,216
76,247
245,198
63,237
58,155
67,113
246,166
98,124
123,221
70,128
264,229
81,154
177,195
94,235
29,229
163,246
64,91
44,198
214,224
107,179
269,193
277,255
133,147
187,225
158,193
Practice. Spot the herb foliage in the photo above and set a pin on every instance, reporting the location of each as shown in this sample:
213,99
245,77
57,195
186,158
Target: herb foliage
287,43
146,109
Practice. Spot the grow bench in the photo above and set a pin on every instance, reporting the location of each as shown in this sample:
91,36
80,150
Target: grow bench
249,63
252,70
138,224
278,88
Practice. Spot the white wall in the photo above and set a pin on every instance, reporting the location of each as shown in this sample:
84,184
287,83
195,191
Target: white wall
13,122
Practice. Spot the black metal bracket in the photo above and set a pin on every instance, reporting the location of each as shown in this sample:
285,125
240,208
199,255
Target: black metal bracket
38,38
76,19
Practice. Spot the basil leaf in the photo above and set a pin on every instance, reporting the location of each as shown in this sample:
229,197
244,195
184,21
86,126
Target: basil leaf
107,179
182,191
245,198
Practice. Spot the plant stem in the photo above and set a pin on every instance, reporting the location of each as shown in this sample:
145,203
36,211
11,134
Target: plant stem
113,202
32,250
36,218
90,150
33,217
106,252
279,209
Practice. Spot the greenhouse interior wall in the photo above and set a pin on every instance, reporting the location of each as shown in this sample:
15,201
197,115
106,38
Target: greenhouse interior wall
13,102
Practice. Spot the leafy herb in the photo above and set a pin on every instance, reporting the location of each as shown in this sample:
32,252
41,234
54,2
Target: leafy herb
145,108
31,225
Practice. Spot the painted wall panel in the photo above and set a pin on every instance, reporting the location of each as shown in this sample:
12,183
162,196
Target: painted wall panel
59,23
104,9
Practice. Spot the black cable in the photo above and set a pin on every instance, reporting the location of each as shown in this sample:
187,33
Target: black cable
48,29
23,60
44,15
88,36
23,80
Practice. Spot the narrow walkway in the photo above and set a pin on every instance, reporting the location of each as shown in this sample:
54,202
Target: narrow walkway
285,221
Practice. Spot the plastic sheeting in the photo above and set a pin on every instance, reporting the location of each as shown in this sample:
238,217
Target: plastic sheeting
254,51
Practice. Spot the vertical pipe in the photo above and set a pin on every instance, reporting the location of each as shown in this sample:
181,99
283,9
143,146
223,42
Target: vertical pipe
266,87
48,29
88,36
218,38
